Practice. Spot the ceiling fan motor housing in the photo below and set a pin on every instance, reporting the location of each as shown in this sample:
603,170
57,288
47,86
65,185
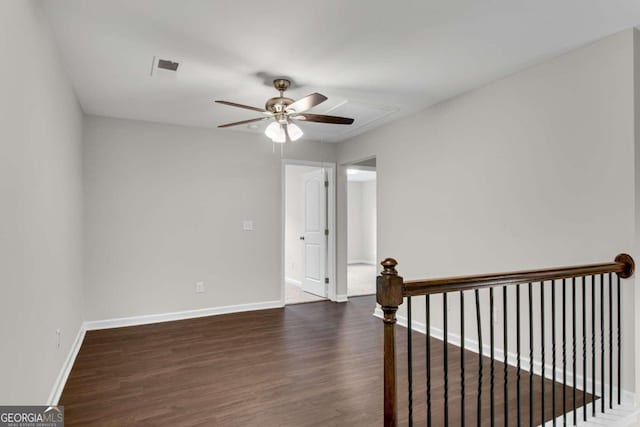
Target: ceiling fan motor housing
278,104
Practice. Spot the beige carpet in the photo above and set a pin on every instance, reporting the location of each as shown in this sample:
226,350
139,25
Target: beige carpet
293,294
361,279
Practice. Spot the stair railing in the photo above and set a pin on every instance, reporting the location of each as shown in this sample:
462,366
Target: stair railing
581,340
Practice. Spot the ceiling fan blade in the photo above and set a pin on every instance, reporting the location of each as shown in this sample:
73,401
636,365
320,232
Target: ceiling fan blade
246,107
321,118
244,122
306,103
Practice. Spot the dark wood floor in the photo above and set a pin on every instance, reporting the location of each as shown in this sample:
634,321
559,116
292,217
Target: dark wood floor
316,364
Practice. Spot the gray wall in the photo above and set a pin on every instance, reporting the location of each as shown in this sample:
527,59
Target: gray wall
164,209
534,170
636,113
361,218
40,207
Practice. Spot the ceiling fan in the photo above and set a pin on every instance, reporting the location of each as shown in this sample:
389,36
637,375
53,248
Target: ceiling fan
283,111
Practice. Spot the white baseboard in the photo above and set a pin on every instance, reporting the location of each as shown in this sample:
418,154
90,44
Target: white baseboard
61,380
91,325
512,358
293,282
624,415
179,315
362,261
341,298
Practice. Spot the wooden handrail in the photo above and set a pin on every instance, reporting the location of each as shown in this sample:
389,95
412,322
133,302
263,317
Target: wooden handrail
623,265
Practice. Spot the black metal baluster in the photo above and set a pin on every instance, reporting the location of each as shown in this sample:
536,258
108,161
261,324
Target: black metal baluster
564,352
530,355
506,355
593,345
618,341
492,366
462,358
542,348
410,360
602,361
446,360
584,348
610,342
480,349
573,331
553,350
519,417
427,316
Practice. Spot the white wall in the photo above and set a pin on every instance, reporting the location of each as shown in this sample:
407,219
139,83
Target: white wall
354,226
369,218
534,170
164,209
294,221
636,107
361,218
40,207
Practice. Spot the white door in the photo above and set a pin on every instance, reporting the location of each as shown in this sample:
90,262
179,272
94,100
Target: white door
314,237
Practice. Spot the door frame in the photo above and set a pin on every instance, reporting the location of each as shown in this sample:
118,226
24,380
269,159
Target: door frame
343,262
330,167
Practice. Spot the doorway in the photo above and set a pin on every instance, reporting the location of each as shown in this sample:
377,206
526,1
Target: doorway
308,224
361,226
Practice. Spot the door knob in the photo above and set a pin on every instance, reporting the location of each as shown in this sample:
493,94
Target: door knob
301,237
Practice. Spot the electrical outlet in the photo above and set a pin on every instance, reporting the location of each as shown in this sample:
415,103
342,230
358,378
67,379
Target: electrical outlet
58,333
200,287
247,225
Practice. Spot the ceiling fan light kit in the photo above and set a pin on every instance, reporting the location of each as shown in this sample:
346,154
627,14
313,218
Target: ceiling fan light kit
279,132
283,111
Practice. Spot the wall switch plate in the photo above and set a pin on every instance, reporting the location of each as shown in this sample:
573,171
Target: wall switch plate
200,287
247,225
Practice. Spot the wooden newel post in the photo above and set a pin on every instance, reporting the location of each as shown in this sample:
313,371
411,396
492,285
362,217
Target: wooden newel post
389,296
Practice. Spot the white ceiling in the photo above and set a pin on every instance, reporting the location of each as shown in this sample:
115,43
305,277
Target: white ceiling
376,60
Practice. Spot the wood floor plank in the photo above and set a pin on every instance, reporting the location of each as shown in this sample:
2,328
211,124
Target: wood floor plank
316,364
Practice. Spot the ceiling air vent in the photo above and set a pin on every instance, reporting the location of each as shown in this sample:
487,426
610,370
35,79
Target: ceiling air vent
164,68
165,64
